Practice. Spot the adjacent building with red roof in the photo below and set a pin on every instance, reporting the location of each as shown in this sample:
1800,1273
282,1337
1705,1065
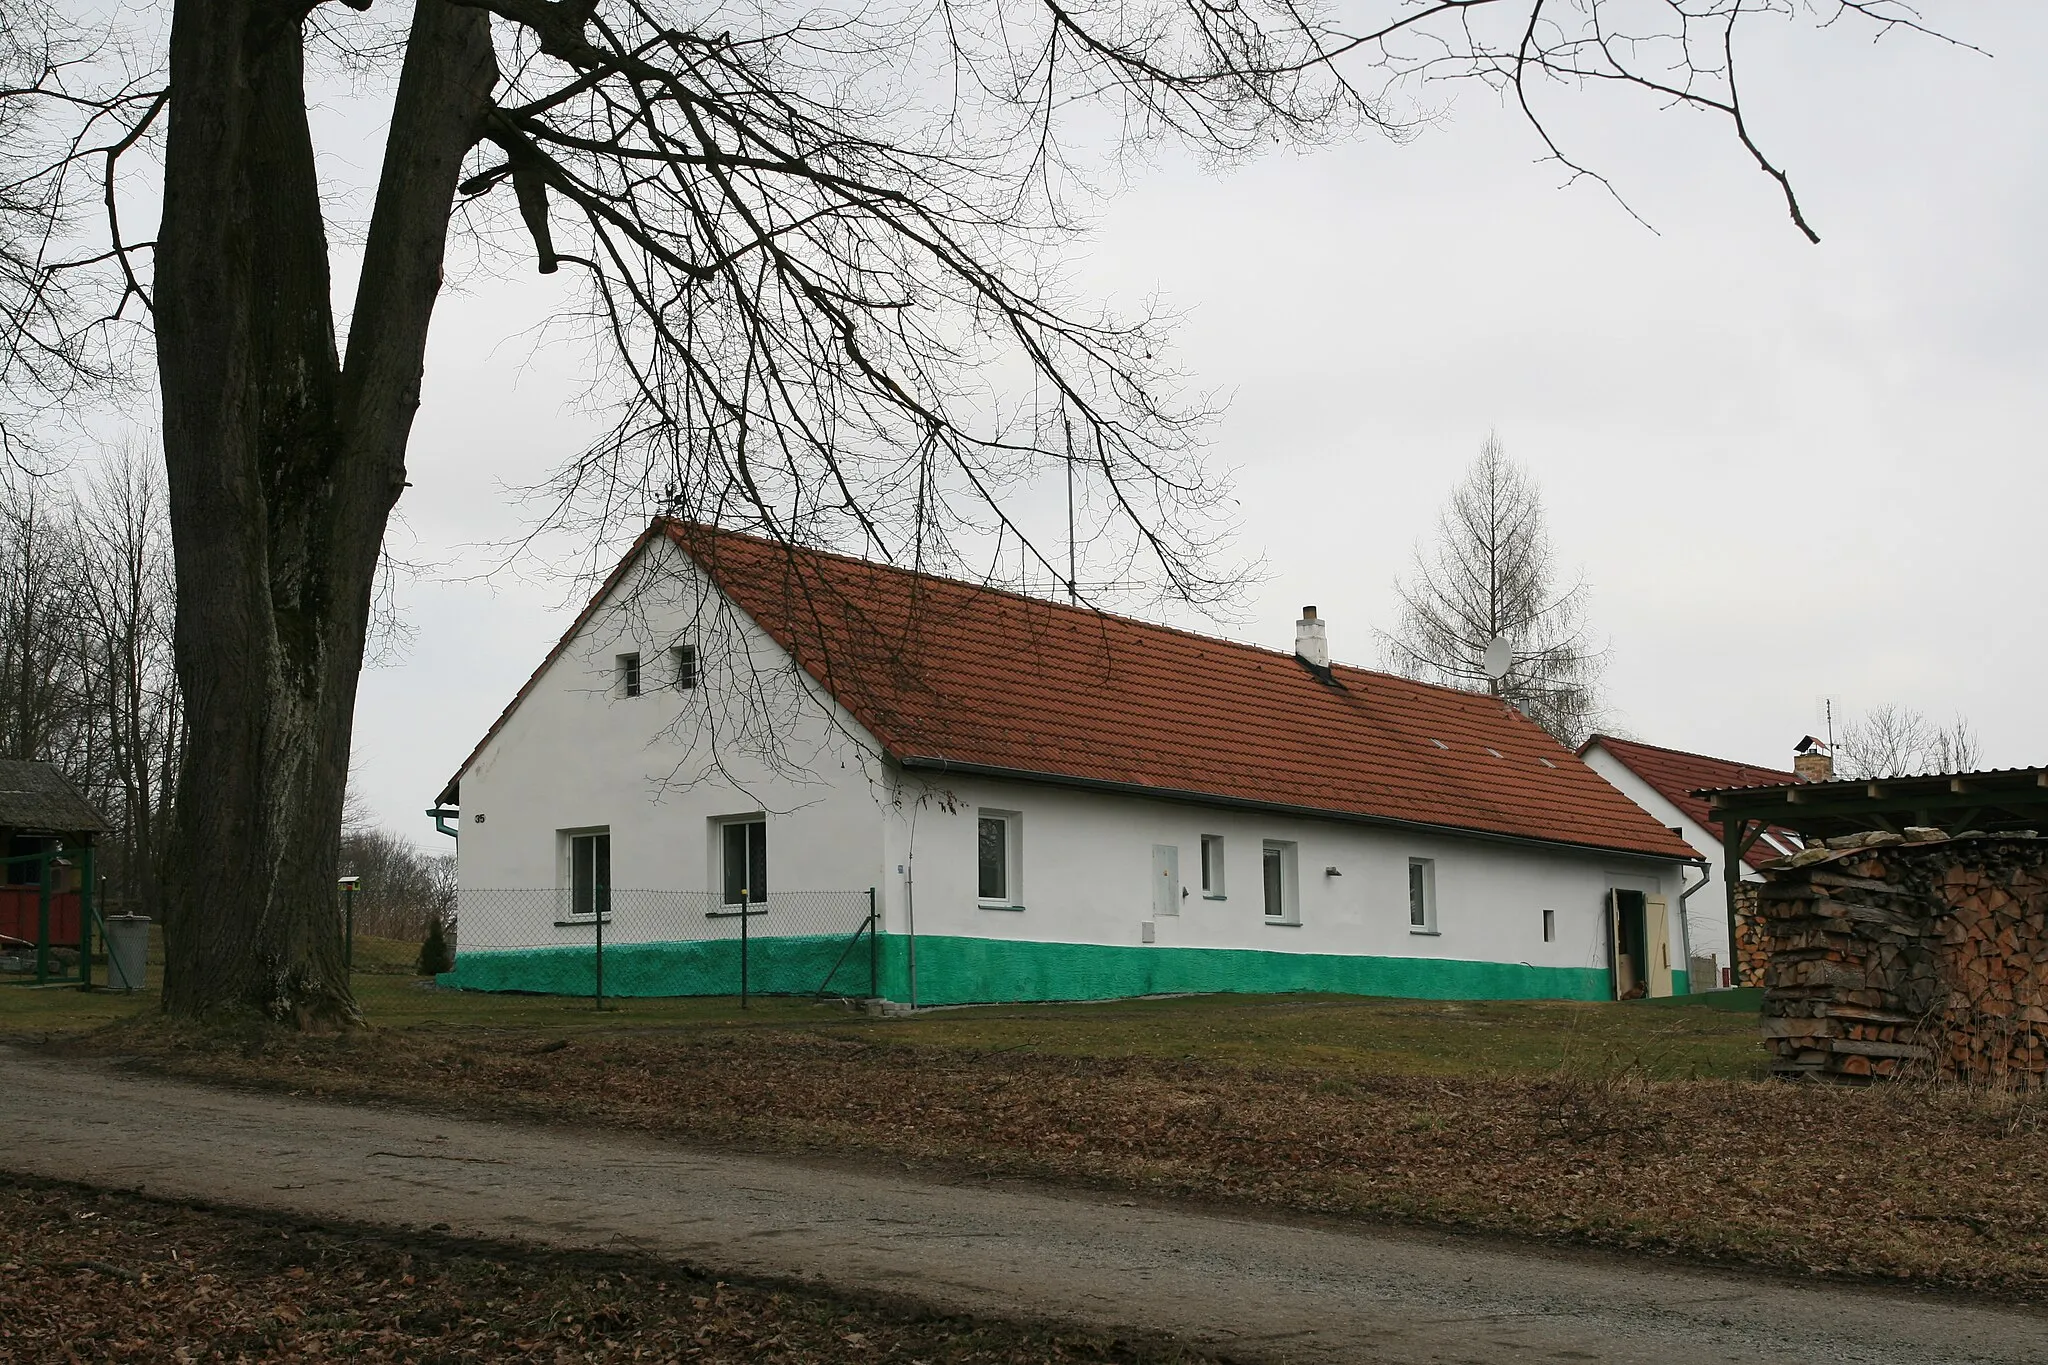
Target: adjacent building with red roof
1050,802
1663,782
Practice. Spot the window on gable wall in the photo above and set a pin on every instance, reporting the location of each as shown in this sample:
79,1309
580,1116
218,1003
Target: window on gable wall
1212,865
590,873
629,675
683,659
743,870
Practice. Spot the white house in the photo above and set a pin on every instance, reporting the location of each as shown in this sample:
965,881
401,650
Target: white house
1662,782
1046,802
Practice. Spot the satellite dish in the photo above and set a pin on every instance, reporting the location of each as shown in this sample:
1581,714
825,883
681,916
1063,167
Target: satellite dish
1499,657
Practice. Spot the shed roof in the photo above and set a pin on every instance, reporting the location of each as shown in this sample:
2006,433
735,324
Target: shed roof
38,798
1990,799
1678,777
961,677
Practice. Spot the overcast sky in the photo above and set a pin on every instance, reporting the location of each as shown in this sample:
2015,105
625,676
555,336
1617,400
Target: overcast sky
1787,471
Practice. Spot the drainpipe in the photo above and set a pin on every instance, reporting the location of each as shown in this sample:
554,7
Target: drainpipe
1685,926
442,815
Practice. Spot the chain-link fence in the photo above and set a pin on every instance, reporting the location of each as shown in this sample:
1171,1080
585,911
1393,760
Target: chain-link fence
599,941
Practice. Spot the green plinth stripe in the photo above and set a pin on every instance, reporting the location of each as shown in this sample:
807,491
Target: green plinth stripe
962,971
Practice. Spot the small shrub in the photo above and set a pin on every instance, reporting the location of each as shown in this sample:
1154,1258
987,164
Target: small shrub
436,956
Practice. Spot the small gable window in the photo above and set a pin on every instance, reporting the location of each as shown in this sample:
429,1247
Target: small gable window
629,675
683,659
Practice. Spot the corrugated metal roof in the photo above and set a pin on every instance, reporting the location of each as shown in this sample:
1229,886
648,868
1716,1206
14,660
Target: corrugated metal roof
38,798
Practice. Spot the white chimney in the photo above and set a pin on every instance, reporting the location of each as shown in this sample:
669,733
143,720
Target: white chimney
1309,641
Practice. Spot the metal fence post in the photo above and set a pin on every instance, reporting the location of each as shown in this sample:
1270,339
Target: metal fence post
86,907
746,901
603,911
874,950
43,919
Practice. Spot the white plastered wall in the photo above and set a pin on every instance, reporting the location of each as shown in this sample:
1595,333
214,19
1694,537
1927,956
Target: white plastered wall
1706,912
1086,877
658,770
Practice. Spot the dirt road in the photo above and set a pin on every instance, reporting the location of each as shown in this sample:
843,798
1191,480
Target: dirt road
1280,1290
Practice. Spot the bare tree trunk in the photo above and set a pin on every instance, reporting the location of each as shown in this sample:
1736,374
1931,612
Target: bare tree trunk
283,469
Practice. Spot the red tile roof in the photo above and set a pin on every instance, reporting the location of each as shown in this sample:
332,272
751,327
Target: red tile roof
1675,775
944,673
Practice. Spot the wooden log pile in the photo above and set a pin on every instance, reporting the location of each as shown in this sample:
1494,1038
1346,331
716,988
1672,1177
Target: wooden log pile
1750,955
1887,955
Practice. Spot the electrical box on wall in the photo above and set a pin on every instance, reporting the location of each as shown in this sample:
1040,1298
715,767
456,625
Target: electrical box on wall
1146,929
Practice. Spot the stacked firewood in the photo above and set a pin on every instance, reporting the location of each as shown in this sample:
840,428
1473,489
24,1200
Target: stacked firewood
1750,957
1890,954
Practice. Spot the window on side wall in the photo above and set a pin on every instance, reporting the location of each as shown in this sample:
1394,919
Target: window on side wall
996,850
1212,866
590,874
683,661
1422,895
629,675
1550,926
1277,882
743,861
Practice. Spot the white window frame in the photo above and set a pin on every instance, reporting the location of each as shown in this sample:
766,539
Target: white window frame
754,904
1426,884
684,669
1013,859
1212,868
1290,882
632,682
601,904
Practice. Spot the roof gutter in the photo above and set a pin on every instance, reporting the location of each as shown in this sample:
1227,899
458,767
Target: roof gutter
925,763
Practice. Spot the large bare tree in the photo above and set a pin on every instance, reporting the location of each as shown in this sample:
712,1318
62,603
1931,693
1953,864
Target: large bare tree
1899,741
1491,574
814,246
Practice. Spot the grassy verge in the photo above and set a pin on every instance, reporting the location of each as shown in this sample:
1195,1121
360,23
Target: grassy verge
105,1276
1639,1126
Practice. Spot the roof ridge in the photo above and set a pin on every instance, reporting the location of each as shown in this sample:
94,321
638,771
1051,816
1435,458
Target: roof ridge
1604,738
1058,606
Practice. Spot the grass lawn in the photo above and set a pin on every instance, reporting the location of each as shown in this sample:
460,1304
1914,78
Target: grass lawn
1644,1125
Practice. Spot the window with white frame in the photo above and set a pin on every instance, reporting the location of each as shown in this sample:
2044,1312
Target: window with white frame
683,665
743,860
1422,895
1278,882
1549,926
589,855
997,845
629,675
1212,866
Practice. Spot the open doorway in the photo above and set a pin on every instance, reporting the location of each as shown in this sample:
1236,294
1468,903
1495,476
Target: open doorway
1639,944
1627,933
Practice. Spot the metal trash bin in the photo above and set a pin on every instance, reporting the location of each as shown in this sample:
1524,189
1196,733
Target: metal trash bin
127,951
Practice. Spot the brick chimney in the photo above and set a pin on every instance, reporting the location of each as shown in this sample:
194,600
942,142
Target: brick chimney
1310,644
1811,761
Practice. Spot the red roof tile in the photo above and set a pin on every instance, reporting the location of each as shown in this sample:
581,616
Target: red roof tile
948,673
1675,775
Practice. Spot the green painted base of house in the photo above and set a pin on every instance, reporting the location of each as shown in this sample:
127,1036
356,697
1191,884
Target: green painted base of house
962,971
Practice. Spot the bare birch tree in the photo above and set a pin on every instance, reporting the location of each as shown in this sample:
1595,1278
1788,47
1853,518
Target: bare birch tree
812,241
1489,573
1898,741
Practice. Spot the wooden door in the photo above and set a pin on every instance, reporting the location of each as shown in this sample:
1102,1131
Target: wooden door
1165,879
1657,945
